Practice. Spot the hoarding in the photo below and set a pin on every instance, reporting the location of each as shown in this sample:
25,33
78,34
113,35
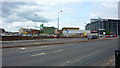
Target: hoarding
75,32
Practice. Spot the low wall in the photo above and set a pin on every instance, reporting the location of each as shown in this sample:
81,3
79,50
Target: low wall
10,38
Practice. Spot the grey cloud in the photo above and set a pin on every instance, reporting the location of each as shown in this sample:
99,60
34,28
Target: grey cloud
30,16
9,7
10,11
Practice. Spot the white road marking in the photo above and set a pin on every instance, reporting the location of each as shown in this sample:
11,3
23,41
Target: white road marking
39,54
43,46
22,48
33,50
57,51
47,53
29,51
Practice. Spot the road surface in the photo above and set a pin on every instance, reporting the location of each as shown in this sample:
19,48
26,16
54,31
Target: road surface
96,53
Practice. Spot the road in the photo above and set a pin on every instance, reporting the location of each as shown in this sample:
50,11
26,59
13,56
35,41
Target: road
96,53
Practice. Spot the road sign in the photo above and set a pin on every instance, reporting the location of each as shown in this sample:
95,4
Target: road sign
67,31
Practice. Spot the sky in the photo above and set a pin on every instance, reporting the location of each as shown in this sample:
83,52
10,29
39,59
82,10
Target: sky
76,13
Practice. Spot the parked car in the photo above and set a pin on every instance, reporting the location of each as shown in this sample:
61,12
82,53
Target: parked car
53,36
100,35
107,36
111,35
92,37
114,35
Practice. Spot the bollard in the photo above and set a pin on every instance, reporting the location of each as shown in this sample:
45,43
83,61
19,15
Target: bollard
117,59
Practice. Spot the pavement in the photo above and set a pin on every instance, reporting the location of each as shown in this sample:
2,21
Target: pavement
95,53
39,42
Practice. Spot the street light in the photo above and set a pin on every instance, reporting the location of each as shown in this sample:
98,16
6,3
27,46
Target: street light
58,21
35,19
58,18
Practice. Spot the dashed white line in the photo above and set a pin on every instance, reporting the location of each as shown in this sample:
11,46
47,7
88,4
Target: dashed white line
39,54
29,51
32,50
57,51
47,53
22,48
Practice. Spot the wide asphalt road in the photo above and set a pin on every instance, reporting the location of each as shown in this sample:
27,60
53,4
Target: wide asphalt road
96,53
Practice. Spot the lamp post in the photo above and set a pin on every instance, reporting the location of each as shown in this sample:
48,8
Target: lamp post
58,18
35,19
85,26
58,21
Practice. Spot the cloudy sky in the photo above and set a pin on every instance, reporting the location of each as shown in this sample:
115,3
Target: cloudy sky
76,13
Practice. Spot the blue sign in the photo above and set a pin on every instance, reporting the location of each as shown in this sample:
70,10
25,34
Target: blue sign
67,31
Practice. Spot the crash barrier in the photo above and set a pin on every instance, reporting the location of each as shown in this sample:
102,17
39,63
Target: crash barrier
117,59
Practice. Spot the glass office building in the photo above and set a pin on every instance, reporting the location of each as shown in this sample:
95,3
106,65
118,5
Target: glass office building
104,25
